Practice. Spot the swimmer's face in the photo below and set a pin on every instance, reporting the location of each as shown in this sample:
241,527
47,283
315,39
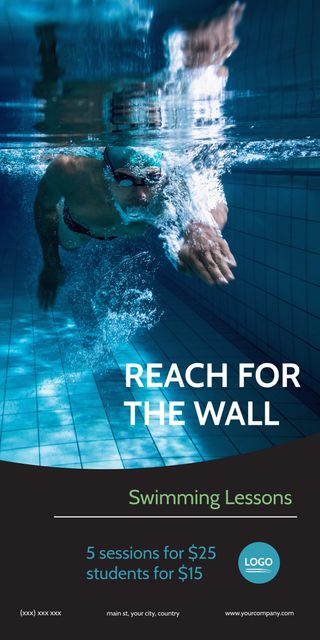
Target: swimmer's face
132,190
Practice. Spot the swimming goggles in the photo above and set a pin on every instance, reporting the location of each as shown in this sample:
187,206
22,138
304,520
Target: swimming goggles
125,179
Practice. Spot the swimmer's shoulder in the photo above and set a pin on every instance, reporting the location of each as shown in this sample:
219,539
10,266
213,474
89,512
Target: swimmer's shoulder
64,167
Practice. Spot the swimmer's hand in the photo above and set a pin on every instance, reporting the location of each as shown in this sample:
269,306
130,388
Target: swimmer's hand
207,255
50,280
214,42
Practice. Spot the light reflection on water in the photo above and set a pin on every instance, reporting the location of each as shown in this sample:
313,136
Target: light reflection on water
139,13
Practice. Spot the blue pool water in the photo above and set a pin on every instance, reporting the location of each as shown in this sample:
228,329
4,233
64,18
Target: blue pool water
62,383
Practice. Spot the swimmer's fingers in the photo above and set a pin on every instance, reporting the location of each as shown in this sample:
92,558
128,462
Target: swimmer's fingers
42,296
229,49
197,267
216,274
43,302
205,266
202,272
236,10
225,251
46,299
51,298
184,260
214,270
48,287
52,294
220,262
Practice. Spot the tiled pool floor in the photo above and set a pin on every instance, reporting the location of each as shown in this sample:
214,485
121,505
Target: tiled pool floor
56,413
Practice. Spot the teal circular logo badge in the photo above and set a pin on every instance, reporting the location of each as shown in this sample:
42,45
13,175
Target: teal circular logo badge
259,562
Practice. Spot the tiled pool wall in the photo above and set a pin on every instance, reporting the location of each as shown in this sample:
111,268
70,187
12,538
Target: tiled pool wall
273,228
278,65
274,232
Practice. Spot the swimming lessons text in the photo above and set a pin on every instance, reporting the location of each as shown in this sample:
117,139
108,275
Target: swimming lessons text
199,375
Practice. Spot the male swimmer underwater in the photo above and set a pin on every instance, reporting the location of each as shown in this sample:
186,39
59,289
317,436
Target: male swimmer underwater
80,198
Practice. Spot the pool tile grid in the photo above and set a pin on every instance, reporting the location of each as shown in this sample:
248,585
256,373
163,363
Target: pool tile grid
286,403
181,444
55,432
188,356
202,438
55,414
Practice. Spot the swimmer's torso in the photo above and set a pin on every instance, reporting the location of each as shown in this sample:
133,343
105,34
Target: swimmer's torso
90,198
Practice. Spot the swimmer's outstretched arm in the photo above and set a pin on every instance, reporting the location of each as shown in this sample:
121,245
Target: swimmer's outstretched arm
220,214
203,251
46,220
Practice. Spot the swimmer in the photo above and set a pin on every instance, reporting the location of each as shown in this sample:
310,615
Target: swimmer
80,198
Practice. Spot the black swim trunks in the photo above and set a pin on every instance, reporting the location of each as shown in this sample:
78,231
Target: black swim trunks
79,228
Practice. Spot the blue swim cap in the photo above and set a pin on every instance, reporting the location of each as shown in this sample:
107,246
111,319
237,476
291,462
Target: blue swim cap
136,159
